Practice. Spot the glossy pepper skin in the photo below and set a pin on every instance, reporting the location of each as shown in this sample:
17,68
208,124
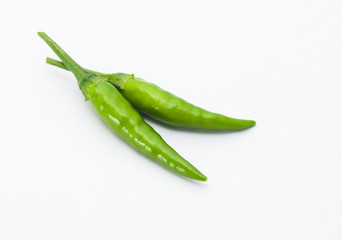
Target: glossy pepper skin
163,106
118,113
170,109
123,119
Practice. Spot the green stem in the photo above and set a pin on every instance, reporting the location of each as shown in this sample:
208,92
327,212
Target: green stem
60,64
117,79
56,63
80,73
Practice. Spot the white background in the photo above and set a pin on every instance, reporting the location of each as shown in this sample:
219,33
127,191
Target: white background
65,175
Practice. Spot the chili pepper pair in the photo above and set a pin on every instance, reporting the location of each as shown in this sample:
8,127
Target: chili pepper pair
118,97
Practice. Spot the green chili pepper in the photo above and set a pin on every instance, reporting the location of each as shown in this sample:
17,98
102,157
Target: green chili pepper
119,114
164,106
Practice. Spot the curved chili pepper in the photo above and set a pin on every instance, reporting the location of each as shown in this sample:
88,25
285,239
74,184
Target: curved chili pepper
161,105
119,114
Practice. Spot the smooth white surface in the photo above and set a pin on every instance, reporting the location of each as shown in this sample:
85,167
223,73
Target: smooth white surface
65,175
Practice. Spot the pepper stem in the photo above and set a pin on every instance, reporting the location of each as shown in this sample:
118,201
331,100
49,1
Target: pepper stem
61,65
117,79
56,63
81,74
